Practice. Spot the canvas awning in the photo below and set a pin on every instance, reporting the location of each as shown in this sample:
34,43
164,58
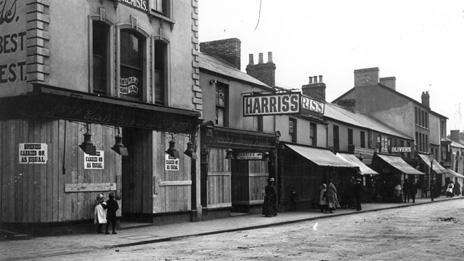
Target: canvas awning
454,173
321,157
437,168
399,164
363,168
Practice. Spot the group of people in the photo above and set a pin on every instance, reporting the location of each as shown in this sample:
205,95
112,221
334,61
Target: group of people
328,197
105,213
409,191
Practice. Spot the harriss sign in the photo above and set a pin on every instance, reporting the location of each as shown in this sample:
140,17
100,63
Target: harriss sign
275,104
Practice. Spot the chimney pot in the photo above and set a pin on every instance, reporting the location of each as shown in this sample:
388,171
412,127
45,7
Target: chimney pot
320,78
269,57
315,79
310,79
251,59
260,58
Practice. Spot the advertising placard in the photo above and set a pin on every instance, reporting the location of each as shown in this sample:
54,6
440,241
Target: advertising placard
271,104
95,162
33,153
171,164
249,156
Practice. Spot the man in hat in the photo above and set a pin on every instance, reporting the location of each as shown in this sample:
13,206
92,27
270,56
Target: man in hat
357,191
270,199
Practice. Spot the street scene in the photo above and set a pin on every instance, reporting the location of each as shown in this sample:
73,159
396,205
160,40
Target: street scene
231,130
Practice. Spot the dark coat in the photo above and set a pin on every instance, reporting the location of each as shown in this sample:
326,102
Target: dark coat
112,207
270,201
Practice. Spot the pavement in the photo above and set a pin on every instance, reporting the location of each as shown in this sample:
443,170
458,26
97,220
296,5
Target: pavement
83,243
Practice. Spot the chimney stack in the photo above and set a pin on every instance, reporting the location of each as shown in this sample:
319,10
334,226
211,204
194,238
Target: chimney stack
366,77
425,97
389,82
264,72
315,88
228,50
454,135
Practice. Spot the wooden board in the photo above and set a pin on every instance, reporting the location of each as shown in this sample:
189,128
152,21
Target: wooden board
89,187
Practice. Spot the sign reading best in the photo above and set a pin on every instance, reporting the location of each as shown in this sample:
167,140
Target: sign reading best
12,43
280,103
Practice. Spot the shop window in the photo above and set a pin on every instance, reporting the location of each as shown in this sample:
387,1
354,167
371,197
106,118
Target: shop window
131,67
160,7
336,138
363,139
221,105
313,134
416,116
379,143
292,129
100,57
161,72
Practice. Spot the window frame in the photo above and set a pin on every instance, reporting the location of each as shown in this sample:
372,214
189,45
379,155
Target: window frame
225,106
313,134
362,138
167,15
292,129
166,73
336,137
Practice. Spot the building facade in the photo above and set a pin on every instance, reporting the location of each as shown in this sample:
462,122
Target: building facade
95,100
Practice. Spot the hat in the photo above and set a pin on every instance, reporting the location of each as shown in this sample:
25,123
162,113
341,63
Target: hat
271,179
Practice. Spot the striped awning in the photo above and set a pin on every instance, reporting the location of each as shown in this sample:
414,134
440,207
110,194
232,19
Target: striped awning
399,164
436,167
363,168
321,157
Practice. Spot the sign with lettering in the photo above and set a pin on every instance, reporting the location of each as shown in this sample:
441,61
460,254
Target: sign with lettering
33,153
271,104
281,103
128,86
141,5
249,156
171,164
401,149
95,162
12,45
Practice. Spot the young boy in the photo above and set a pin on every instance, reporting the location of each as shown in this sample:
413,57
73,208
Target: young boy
100,212
111,206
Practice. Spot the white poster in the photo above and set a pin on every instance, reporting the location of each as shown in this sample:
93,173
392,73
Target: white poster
33,153
94,162
171,164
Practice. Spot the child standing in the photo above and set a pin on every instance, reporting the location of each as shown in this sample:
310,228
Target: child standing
100,212
112,207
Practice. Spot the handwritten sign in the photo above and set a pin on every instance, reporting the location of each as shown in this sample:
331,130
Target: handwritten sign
95,162
128,86
33,153
171,164
12,44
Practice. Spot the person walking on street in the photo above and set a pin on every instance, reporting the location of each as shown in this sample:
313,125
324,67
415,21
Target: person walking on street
112,207
413,191
332,198
406,187
100,212
270,199
323,198
357,191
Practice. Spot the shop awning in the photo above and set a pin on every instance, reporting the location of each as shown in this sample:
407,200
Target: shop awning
321,157
58,103
399,164
454,173
437,168
363,168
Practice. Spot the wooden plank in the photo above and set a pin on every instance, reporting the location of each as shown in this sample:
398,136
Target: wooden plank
248,202
176,183
89,187
219,173
219,205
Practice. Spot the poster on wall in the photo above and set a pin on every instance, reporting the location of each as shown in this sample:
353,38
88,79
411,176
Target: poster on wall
95,161
171,164
33,153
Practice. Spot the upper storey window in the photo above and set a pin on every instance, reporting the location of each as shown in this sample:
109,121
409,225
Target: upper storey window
160,6
131,66
100,54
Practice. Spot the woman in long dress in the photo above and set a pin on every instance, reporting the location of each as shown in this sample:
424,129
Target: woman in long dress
332,198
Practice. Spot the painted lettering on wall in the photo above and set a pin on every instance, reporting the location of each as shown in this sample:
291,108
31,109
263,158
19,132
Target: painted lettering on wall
128,86
33,153
12,42
171,164
95,162
137,4
286,103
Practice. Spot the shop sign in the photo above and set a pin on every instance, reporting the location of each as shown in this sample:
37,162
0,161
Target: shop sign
401,149
33,153
12,43
171,163
249,156
312,105
128,86
95,162
271,104
141,5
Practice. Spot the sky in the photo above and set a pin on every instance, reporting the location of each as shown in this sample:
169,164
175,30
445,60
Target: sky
420,42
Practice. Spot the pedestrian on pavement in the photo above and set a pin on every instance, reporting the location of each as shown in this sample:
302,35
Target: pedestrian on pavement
406,188
457,188
270,199
100,212
323,198
112,207
449,190
357,191
332,198
412,191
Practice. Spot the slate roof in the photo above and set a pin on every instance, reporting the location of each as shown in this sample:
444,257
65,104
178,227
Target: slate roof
338,113
215,65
